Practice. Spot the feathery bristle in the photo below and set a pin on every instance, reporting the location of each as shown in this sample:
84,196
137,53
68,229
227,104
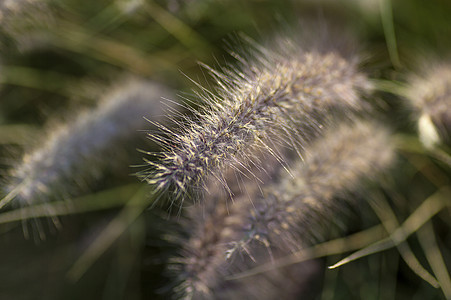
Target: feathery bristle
279,99
430,94
75,154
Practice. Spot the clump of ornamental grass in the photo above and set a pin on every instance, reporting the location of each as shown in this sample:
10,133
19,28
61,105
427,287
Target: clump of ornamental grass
75,154
430,95
277,98
279,215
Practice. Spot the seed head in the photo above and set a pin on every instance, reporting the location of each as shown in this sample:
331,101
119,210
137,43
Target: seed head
213,226
76,153
279,98
430,94
298,210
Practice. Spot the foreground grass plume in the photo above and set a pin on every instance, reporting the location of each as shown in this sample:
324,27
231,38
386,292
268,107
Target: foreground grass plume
290,213
430,94
279,97
75,154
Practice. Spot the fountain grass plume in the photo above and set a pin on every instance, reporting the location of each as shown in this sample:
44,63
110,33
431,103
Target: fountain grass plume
299,209
276,97
202,265
205,261
430,95
75,154
289,213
